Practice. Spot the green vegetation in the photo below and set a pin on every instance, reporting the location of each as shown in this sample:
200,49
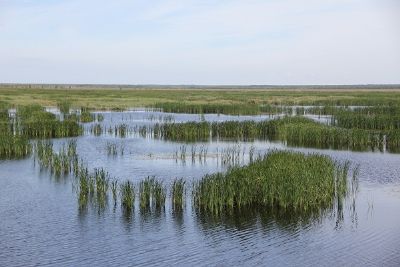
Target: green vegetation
232,109
178,194
103,98
127,195
281,180
35,122
64,106
86,116
382,122
295,131
376,118
12,146
62,163
152,193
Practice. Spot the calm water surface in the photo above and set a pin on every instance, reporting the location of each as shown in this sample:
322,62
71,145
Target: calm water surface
40,223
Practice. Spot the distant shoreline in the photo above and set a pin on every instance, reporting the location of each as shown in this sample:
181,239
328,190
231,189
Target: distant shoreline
358,87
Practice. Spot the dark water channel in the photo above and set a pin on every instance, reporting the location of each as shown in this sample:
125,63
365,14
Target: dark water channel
40,223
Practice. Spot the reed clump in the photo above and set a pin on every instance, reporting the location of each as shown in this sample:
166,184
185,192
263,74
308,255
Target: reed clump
12,146
280,180
35,122
294,131
233,109
86,117
62,163
127,191
178,194
368,119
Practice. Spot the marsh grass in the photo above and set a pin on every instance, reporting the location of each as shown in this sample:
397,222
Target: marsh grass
178,194
281,180
64,106
159,195
145,191
35,122
12,146
127,192
294,131
62,163
237,109
368,119
86,117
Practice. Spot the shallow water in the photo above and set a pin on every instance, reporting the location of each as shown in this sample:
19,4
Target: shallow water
42,225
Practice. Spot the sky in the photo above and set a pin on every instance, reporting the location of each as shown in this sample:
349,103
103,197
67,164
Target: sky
220,42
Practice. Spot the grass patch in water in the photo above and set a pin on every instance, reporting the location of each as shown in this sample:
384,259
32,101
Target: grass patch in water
295,131
35,122
281,180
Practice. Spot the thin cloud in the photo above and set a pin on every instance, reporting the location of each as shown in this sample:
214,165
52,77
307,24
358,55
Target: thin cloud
200,42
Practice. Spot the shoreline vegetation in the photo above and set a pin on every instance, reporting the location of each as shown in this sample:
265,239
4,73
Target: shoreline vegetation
121,98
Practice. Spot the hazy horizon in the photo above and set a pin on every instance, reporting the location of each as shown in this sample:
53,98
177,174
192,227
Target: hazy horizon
210,43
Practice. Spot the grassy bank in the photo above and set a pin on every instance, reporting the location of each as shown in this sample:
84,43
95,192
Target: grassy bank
148,97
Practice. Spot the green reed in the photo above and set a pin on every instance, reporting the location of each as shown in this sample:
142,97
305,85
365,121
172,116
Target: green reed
102,184
35,122
249,108
159,195
295,131
127,192
145,191
368,121
87,116
236,109
14,147
178,194
64,106
62,163
281,180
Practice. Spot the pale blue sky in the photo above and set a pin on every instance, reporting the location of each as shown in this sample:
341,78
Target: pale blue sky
200,42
